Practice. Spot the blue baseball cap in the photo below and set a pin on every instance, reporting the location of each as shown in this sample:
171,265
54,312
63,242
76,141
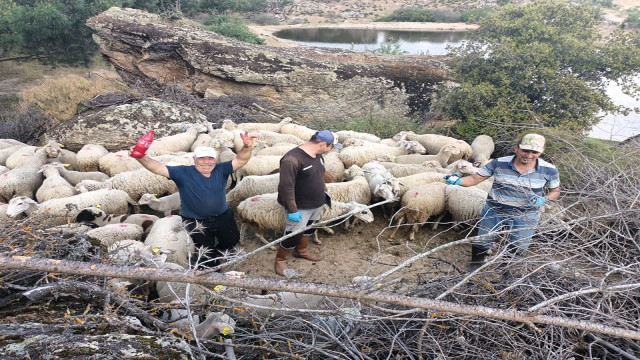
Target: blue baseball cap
328,137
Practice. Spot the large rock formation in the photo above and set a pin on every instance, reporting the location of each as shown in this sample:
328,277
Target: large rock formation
118,127
307,83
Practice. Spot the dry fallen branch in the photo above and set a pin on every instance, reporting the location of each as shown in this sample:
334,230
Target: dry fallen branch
79,268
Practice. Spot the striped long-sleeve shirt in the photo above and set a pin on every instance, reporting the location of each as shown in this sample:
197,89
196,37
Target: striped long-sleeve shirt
512,190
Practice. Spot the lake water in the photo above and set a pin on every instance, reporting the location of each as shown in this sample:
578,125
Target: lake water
413,42
612,127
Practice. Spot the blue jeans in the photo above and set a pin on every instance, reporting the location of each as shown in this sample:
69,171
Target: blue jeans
493,220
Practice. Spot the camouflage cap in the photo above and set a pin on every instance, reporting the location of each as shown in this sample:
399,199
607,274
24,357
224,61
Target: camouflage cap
533,142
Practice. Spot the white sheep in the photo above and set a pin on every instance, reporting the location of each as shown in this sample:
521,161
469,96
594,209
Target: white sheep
381,183
360,155
224,149
300,131
333,166
275,127
6,152
259,165
268,137
410,181
165,205
135,183
89,155
176,143
401,170
97,216
482,147
58,154
23,180
74,177
170,291
63,210
461,166
433,143
277,149
464,203
21,155
442,157
115,163
252,185
54,185
3,211
185,159
355,189
169,235
108,234
343,135
6,143
3,169
131,252
264,213
418,205
203,139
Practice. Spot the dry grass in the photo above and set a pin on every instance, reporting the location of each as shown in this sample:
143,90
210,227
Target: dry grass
60,96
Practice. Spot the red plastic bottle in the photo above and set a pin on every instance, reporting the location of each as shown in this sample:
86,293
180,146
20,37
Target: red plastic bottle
142,145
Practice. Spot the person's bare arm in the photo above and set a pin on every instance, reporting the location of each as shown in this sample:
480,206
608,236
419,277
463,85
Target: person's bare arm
153,165
553,194
244,154
471,180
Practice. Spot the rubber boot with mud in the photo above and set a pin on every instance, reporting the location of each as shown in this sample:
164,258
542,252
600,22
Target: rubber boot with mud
302,252
477,258
281,260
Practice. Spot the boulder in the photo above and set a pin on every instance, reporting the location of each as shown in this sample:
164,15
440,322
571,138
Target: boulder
306,83
118,127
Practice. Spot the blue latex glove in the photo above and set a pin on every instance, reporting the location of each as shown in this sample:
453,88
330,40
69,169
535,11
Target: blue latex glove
296,216
536,201
453,179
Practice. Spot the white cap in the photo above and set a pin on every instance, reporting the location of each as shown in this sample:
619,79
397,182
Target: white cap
205,151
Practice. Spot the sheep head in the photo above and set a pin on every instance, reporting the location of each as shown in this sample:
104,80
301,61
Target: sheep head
21,204
360,212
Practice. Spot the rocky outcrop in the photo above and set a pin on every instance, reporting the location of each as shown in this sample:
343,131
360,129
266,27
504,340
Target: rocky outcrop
306,83
119,127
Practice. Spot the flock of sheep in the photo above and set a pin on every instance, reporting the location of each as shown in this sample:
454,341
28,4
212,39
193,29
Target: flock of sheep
102,192
59,183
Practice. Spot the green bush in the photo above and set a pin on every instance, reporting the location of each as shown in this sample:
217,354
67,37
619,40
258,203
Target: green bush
233,27
421,15
633,19
265,19
473,16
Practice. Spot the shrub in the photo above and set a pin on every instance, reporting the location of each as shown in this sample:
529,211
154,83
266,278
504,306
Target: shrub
265,19
233,27
59,97
633,19
421,15
473,16
23,123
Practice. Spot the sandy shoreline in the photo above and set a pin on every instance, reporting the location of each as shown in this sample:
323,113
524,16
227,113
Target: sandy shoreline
267,32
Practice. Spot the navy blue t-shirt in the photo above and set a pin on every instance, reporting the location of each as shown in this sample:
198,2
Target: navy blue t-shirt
201,197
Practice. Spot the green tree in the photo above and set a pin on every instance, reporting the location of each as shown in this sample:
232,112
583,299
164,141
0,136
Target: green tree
49,30
542,64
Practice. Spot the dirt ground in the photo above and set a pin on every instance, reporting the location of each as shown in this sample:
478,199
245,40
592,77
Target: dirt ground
365,250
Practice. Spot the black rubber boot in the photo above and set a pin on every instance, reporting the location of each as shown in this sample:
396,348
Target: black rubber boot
477,258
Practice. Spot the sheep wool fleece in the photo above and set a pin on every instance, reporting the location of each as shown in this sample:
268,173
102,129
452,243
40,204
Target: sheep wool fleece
203,199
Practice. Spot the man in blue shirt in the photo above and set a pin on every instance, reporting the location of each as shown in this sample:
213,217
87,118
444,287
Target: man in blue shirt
203,204
522,183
